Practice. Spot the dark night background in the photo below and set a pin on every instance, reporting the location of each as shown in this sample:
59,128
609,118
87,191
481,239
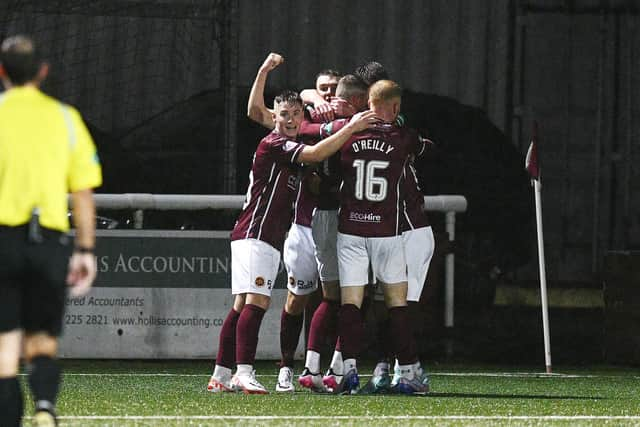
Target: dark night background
163,84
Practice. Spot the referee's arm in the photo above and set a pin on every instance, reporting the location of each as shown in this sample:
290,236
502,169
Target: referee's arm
82,264
84,218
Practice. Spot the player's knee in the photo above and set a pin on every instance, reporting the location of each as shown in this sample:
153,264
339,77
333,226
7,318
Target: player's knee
296,303
40,344
238,302
260,300
395,295
352,295
331,290
9,364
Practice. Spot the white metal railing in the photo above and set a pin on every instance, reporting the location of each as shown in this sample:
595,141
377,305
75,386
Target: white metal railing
139,202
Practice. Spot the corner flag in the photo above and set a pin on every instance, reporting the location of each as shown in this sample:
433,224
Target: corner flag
531,161
533,167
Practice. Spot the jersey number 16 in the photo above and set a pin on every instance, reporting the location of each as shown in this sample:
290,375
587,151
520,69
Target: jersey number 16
368,185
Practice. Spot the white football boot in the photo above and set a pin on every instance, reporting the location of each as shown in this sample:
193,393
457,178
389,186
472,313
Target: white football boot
285,380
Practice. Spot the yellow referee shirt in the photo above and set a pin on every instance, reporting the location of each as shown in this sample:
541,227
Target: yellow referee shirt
46,152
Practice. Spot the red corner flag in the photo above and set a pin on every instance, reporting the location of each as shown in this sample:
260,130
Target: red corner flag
531,161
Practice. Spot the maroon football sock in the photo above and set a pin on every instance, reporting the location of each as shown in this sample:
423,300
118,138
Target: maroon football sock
247,334
403,341
324,320
290,327
338,346
227,348
383,342
351,329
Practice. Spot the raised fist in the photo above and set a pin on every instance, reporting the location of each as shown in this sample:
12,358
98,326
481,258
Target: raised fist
272,61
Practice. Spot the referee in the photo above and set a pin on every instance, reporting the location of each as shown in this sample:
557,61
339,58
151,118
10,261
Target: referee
46,152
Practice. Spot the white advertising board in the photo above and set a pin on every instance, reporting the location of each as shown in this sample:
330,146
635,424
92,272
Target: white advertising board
161,294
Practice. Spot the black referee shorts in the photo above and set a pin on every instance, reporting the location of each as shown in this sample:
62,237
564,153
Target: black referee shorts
33,280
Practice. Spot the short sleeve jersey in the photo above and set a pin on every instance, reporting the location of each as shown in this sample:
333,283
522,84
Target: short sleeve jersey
273,180
371,195
46,152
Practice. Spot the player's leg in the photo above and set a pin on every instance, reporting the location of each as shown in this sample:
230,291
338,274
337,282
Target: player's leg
257,277
353,263
389,266
291,322
247,332
351,334
11,403
40,350
302,281
419,245
380,381
12,243
220,380
44,297
323,325
409,377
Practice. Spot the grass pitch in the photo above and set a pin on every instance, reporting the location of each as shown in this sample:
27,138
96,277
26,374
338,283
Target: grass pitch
160,393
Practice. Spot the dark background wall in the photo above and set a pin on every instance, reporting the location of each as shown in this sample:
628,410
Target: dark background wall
163,86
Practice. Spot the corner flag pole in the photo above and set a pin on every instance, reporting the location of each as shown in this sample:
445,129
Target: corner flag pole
533,167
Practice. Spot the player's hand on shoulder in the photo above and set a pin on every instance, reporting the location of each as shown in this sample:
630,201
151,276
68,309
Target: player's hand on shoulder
272,61
342,107
363,120
82,273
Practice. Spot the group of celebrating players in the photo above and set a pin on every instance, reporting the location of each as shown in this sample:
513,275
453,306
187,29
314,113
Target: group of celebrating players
342,157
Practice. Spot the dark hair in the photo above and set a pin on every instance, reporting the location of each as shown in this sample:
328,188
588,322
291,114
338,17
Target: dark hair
351,85
19,58
328,72
371,72
289,97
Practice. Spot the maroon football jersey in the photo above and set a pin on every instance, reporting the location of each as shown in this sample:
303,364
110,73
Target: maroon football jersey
329,169
266,214
305,204
414,214
372,165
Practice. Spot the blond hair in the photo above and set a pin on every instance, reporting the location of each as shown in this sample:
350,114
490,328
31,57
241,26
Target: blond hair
384,91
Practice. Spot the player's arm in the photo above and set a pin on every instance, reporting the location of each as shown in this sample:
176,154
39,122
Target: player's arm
321,108
256,108
311,96
328,146
84,174
322,130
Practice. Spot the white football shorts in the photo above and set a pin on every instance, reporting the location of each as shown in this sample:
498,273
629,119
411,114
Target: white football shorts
385,254
324,227
419,245
254,267
300,261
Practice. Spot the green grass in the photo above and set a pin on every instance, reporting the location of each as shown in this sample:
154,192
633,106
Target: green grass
133,389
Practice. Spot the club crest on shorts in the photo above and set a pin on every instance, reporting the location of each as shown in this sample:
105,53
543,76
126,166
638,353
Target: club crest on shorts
292,281
259,281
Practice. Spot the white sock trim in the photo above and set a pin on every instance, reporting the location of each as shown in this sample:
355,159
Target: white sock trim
337,364
221,373
244,370
312,361
350,364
